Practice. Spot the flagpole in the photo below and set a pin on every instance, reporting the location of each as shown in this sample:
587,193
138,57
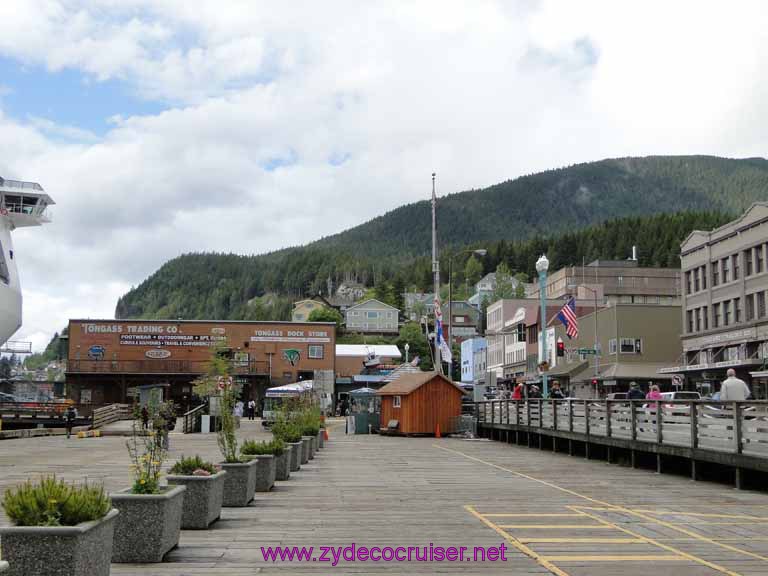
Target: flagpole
436,271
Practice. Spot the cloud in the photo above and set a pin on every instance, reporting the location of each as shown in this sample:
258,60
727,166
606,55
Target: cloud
286,122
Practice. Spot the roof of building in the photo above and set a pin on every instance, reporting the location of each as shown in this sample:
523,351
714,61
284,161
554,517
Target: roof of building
408,383
362,350
372,300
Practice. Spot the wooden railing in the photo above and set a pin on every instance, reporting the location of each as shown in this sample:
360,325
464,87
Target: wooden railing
43,409
190,421
729,427
160,367
111,413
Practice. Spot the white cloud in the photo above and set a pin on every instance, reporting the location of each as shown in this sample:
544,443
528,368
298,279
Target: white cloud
479,93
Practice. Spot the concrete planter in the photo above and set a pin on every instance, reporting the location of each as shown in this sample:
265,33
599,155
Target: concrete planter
321,438
297,450
265,472
3,566
283,464
202,501
306,445
82,550
149,525
312,447
239,483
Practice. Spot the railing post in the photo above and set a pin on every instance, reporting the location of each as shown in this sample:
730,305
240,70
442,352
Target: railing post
528,412
493,413
541,413
633,419
586,417
737,426
517,412
554,414
570,416
607,418
694,425
659,420
507,406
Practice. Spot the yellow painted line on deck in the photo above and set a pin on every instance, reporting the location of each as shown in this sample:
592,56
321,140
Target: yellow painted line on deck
555,526
517,544
611,507
582,541
618,558
697,514
570,515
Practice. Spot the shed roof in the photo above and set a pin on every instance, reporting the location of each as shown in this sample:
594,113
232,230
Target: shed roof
408,383
363,350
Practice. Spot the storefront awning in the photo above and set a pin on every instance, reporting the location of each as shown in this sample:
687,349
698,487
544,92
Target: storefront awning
567,369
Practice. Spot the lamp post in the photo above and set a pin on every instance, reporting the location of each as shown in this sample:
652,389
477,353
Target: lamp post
436,273
475,252
542,265
594,294
407,347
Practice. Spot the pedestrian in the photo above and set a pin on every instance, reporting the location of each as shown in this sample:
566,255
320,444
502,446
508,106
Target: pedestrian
251,409
517,393
534,392
653,393
634,392
733,389
170,424
144,417
556,393
70,419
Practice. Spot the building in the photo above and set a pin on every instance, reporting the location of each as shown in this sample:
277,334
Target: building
615,282
635,342
418,304
480,363
364,365
462,321
724,275
303,308
421,403
472,353
484,290
372,317
108,358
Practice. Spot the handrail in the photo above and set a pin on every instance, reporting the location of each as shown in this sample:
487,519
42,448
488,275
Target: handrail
739,427
111,413
191,419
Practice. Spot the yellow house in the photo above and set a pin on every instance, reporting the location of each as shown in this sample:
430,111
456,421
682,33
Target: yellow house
303,308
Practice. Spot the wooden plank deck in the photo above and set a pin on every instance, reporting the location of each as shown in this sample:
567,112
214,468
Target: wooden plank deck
556,514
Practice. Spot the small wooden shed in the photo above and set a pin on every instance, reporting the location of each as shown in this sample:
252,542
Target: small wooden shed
419,402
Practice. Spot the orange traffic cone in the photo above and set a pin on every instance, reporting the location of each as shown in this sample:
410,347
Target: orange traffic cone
437,431
325,433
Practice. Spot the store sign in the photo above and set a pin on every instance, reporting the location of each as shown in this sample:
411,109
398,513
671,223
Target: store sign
313,336
723,337
157,354
292,355
162,340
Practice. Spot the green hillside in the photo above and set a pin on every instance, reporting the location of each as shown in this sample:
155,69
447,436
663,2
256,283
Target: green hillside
593,210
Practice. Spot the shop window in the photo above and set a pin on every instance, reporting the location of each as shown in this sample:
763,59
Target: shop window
395,401
316,351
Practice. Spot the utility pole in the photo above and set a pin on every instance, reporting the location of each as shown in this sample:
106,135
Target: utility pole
436,272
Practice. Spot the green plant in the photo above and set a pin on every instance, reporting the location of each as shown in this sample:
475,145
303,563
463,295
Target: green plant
286,430
145,447
218,383
53,502
275,446
188,466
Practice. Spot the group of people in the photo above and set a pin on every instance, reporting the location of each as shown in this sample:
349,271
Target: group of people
162,425
534,392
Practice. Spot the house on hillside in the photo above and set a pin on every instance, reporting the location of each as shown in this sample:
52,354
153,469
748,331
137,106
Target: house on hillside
418,304
303,308
372,317
484,289
463,320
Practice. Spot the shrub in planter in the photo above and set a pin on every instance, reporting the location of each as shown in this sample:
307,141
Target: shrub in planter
149,524
269,453
289,433
59,530
205,491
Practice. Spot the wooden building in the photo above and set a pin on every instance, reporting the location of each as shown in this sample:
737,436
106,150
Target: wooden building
419,402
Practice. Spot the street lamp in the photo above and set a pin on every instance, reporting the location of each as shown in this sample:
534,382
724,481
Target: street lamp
542,265
407,347
594,293
475,252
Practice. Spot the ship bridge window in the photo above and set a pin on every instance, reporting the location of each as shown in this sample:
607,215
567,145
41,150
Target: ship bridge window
21,204
4,275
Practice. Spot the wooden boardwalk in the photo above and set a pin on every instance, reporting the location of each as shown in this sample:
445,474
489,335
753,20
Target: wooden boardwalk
556,514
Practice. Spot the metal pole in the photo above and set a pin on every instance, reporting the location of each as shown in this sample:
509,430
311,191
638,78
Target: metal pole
597,359
436,271
543,321
450,312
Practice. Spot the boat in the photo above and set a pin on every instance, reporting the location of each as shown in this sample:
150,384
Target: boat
22,204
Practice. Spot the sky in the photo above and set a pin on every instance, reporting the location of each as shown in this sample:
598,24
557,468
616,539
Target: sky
162,127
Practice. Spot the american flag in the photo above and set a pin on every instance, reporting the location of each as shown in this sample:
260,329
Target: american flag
568,317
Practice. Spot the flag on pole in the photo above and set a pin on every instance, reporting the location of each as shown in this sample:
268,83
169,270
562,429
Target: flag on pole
568,317
445,350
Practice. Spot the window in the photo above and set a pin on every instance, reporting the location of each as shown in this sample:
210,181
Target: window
748,262
395,401
726,312
612,345
704,277
735,260
689,323
389,314
371,314
698,319
761,304
750,298
737,310
316,351
696,283
715,315
688,282
705,313
628,346
758,259
725,266
715,274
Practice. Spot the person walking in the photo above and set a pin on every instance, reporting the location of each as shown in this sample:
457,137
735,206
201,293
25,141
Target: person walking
251,409
733,389
653,393
70,416
517,393
634,392
144,417
556,393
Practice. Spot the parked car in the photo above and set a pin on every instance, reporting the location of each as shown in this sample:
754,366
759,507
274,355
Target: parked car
4,397
617,396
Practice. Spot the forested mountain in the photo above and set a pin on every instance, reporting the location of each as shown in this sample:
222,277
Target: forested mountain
516,221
